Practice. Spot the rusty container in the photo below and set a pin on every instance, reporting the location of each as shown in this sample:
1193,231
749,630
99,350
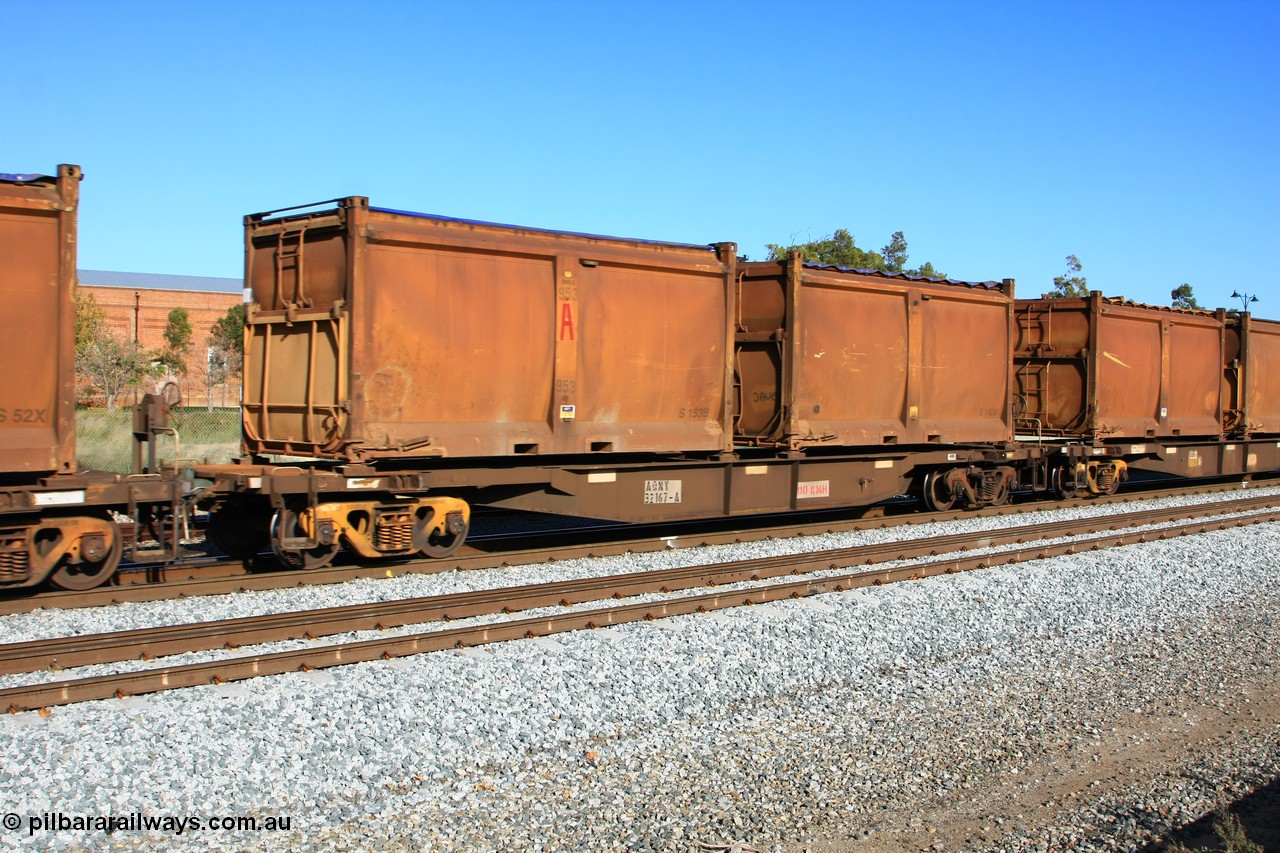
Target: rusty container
830,357
1251,391
37,323
1100,368
383,334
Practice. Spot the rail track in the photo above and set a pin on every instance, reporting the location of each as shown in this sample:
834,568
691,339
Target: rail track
220,577
823,572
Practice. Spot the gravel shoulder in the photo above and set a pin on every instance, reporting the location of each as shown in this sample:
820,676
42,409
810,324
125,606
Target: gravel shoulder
1141,774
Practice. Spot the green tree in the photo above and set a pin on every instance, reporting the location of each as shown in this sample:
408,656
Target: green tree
841,249
91,327
113,366
91,322
228,331
927,270
226,350
1183,298
895,254
177,338
838,249
1071,284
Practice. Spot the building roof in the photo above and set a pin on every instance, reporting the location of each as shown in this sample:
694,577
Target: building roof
156,281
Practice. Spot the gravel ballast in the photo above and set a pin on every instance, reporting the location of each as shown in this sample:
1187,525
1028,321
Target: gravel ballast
844,717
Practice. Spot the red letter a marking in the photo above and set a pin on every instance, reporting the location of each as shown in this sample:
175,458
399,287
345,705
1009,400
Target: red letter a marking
566,322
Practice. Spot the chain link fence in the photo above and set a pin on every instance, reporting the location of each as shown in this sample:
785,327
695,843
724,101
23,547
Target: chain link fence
104,440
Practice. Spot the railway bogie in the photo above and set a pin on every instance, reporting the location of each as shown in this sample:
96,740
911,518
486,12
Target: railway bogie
306,515
72,552
373,529
943,489
73,530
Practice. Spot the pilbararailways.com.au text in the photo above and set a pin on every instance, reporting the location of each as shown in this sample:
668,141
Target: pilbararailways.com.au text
140,822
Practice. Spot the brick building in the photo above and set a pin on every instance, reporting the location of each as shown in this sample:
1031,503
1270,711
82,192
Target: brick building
137,306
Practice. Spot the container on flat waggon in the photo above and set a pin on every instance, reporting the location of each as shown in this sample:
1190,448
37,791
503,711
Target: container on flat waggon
833,357
383,334
1103,369
37,326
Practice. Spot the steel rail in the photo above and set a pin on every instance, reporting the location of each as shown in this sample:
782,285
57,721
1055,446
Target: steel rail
83,650
189,583
166,678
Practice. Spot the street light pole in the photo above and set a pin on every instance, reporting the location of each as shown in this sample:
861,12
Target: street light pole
1244,298
137,310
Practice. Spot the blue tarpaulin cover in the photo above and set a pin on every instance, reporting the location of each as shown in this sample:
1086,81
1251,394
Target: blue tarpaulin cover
539,230
907,276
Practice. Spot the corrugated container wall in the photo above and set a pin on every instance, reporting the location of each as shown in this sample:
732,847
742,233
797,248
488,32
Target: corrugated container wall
1251,391
37,324
829,357
380,334
1099,368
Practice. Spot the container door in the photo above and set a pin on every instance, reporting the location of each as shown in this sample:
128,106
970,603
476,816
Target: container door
296,394
1262,379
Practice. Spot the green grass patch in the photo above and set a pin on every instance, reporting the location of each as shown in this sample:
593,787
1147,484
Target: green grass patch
104,440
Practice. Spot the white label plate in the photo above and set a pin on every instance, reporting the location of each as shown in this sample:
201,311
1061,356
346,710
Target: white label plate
59,498
814,489
663,491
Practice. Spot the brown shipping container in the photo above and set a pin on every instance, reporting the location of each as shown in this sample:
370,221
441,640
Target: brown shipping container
37,326
1100,368
828,357
1251,392
378,333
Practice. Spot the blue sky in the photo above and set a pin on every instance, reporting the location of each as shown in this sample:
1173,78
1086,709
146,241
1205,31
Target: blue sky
999,137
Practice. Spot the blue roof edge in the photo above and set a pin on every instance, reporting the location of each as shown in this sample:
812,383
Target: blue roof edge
159,281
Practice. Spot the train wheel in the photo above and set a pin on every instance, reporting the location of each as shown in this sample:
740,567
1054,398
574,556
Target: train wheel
938,495
99,559
440,540
1001,496
285,526
1064,482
